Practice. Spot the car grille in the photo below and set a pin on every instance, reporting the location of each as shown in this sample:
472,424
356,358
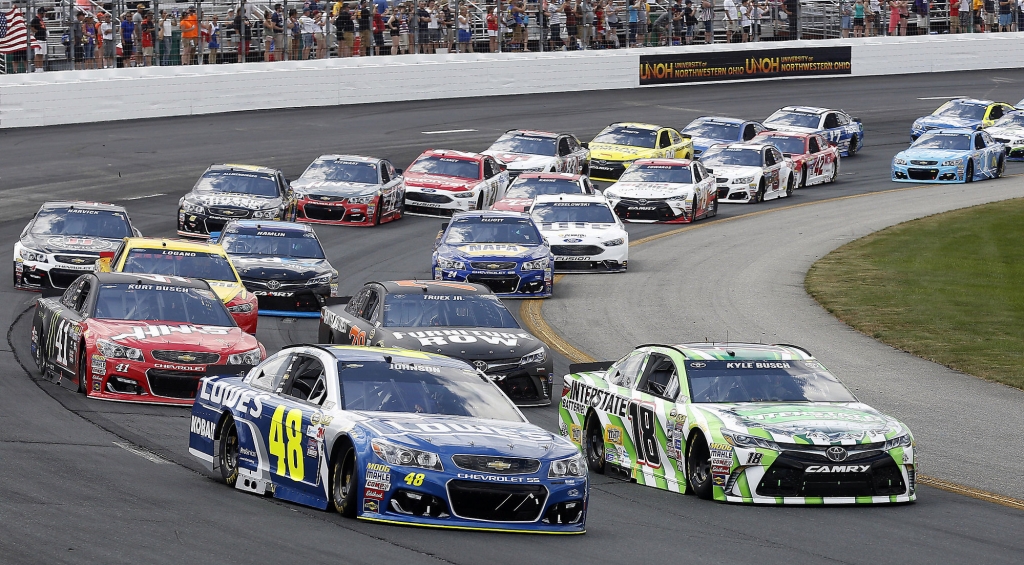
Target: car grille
643,210
923,174
498,366
76,259
231,212
722,180
925,163
606,169
261,284
62,278
302,301
497,502
521,388
324,213
326,198
493,265
576,250
173,384
502,284
190,357
787,477
427,197
497,465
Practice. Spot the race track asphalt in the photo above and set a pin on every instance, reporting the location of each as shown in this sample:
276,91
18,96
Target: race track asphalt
70,493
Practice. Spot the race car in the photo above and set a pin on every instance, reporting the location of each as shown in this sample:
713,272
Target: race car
815,161
960,113
137,338
749,423
528,151
349,190
282,264
950,155
64,239
584,233
528,186
441,182
664,190
175,257
388,435
501,250
836,126
234,192
1009,131
710,130
749,172
618,145
461,320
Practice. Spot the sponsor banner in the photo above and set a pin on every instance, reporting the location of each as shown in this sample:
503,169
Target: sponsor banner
737,65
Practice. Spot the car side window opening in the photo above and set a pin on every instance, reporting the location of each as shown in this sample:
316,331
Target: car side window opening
996,113
489,169
769,159
574,144
355,306
749,132
676,138
776,154
979,142
370,307
385,174
563,147
812,145
831,121
82,296
625,373
589,185
843,119
272,372
306,380
663,140
70,295
117,255
660,378
697,176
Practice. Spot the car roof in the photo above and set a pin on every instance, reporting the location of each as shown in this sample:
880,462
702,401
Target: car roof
369,353
337,157
533,133
464,155
740,351
144,278
972,101
665,162
432,287
721,120
773,133
488,214
745,145
636,125
560,176
807,109
951,131
270,225
239,167
545,198
173,244
81,204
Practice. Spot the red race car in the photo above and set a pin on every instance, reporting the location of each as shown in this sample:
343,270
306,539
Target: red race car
137,337
528,186
349,190
815,160
441,182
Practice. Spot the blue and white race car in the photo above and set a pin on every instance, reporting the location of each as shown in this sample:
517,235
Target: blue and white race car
709,130
836,125
388,435
501,250
966,113
950,155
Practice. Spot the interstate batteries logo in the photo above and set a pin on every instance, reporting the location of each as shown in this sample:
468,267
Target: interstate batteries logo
767,63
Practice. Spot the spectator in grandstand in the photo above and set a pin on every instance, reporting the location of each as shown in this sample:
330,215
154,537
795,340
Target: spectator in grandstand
75,40
690,21
706,15
858,18
642,22
189,36
421,35
587,23
137,17
345,30
870,13
492,30
571,26
465,33
365,28
745,20
600,24
146,38
89,42
128,53
730,19
1005,15
519,26
38,28
1020,15
403,30
107,41
990,16
212,39
922,16
663,27
308,28
378,30
613,15
845,18
556,21
164,34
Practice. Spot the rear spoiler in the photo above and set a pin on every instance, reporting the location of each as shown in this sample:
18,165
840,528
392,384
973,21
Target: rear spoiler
586,367
227,370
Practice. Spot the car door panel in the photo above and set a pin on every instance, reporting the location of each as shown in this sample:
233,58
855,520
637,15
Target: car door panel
652,423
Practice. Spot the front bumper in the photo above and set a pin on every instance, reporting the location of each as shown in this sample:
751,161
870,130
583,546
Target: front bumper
290,299
32,275
504,284
336,212
736,193
201,226
651,210
441,203
525,385
590,258
928,173
146,381
607,169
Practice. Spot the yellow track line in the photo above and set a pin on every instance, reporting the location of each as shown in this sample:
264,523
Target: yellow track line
533,318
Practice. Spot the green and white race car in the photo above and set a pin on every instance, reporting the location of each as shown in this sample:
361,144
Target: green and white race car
736,422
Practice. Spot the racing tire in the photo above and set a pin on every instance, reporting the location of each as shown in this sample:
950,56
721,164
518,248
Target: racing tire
344,482
789,186
803,178
854,146
38,357
376,219
83,373
480,202
227,454
835,172
759,197
1000,167
713,211
593,445
698,468
969,173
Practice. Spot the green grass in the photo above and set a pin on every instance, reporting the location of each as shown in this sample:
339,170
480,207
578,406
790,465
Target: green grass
949,288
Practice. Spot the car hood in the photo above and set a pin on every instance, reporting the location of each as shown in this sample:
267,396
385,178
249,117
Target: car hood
484,251
612,151
262,267
466,343
1006,132
513,204
649,189
947,122
819,423
580,233
520,161
229,199
702,143
731,171
439,182
227,290
149,335
333,188
933,154
69,244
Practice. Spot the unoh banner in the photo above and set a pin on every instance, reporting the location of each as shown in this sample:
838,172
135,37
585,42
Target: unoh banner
737,65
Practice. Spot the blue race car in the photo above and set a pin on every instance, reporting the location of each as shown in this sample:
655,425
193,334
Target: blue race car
950,155
961,113
709,130
846,132
501,250
388,435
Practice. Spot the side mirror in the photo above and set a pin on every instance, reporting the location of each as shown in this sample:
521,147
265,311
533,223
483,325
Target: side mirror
585,145
685,135
503,167
709,171
399,171
856,120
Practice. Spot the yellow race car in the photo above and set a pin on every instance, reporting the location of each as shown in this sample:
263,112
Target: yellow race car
174,257
618,145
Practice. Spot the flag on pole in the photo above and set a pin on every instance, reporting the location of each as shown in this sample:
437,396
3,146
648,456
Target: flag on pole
13,35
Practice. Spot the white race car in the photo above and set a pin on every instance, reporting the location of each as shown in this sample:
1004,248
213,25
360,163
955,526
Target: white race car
749,172
584,233
1009,131
527,151
664,190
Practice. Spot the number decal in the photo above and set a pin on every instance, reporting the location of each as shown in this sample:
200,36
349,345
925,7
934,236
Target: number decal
753,458
286,442
60,348
357,336
121,368
414,479
645,437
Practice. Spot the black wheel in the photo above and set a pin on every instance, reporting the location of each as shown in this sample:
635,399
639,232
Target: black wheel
803,178
854,146
759,197
789,186
83,373
835,171
38,357
593,445
1001,167
714,207
969,173
480,202
344,482
698,467
376,220
227,458
585,170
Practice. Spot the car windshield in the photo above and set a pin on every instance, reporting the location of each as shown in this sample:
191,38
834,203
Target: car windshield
713,130
534,187
795,119
197,306
785,143
340,170
582,212
73,221
953,142
764,381
524,144
730,156
961,110
658,173
446,310
421,388
490,229
239,182
276,243
1011,120
192,264
446,166
633,137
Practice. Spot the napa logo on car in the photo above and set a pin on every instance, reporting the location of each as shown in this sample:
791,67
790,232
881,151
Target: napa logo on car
493,249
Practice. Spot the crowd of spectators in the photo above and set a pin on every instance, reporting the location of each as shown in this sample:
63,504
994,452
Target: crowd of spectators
317,30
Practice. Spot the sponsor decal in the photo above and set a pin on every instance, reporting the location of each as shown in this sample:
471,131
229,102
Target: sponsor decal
496,249
576,433
838,469
311,448
378,476
613,434
272,233
232,396
371,506
319,418
99,364
581,396
202,427
461,428
180,367
415,367
373,494
247,452
738,65
282,294
71,242
445,337
161,330
497,478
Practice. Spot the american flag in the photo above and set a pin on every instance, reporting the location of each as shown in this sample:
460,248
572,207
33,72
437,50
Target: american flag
13,35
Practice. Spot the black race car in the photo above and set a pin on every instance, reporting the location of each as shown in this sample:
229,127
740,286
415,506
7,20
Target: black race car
64,239
457,319
283,264
234,192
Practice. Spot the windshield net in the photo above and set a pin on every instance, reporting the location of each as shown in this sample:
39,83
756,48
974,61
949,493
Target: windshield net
209,266
658,173
447,166
79,222
337,170
764,381
943,141
141,302
795,119
406,386
581,212
786,144
525,144
439,310
713,130
534,187
288,243
484,229
961,110
634,137
239,182
728,156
